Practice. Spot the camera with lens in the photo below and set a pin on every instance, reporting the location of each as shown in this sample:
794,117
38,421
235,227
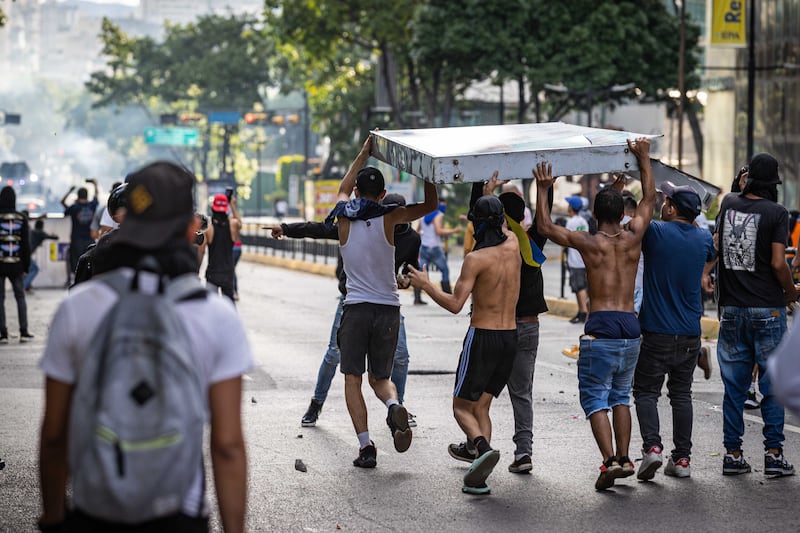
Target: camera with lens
200,235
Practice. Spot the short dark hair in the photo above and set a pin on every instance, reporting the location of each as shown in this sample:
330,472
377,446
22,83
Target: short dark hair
608,206
83,193
629,203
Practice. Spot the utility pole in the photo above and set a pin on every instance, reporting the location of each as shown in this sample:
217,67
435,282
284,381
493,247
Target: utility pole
751,77
681,68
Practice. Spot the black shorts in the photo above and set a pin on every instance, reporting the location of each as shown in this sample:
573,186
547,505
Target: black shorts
577,279
368,330
485,363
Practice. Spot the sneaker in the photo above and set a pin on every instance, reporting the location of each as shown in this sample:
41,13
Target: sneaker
461,452
397,420
412,420
651,461
627,466
367,457
777,466
420,302
312,414
704,361
25,336
609,471
576,319
752,401
4,338
572,351
679,468
732,466
522,465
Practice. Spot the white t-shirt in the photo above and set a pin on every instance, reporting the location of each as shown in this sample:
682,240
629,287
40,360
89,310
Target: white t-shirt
574,259
429,237
219,346
639,283
106,219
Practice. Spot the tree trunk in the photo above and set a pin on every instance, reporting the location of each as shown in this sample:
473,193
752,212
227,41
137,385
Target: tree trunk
522,109
697,134
397,111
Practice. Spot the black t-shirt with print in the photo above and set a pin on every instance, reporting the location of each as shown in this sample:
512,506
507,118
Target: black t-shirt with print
747,229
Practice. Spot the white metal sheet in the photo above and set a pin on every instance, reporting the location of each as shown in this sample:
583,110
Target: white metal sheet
473,153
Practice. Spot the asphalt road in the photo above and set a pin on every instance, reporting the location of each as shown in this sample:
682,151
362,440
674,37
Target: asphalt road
288,315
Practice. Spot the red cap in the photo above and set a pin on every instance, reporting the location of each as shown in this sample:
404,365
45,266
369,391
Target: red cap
220,204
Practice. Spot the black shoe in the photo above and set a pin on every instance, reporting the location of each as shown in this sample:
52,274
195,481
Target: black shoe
446,287
2,464
522,465
24,336
461,452
752,400
580,317
397,419
367,456
310,418
3,337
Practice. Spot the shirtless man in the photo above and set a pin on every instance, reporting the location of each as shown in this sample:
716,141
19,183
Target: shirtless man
491,274
371,314
609,347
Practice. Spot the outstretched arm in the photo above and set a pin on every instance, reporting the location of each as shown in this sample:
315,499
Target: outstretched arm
461,291
64,199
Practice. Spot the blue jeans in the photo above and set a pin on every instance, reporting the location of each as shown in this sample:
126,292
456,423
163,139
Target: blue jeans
520,386
32,272
327,369
747,336
436,256
237,254
605,372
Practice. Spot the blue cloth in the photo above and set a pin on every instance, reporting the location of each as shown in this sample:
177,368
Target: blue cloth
747,336
674,257
605,372
357,209
612,325
327,369
428,255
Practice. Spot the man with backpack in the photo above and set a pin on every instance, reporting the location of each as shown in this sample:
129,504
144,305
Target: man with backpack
136,360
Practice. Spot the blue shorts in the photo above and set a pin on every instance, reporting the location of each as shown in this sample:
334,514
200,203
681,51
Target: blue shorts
605,372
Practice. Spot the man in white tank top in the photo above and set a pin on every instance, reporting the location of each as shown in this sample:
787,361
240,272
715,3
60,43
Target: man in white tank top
371,316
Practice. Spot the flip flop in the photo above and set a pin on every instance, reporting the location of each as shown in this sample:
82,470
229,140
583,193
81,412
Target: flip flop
481,468
478,491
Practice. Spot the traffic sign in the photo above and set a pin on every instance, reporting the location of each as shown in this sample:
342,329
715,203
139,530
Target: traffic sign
224,117
171,136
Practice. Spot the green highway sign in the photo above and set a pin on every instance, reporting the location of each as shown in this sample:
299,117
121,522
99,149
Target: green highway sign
171,136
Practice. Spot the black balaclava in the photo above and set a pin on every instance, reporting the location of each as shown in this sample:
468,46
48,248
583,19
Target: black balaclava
487,217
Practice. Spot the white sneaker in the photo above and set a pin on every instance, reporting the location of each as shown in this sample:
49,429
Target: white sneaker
679,468
651,461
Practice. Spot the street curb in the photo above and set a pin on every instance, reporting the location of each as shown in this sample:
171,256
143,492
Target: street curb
292,264
709,327
557,306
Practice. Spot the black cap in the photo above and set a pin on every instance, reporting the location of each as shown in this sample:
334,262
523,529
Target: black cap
369,181
685,199
514,205
764,168
159,205
394,198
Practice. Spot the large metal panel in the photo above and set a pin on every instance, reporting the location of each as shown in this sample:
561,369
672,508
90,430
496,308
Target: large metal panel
466,154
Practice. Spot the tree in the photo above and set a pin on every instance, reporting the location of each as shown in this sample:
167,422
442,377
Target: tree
217,63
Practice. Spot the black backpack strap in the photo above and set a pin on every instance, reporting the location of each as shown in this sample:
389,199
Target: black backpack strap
185,287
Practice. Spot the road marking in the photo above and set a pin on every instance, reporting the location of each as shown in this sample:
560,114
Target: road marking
759,420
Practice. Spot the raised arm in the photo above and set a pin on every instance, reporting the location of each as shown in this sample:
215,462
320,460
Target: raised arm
543,172
64,199
644,211
411,212
349,181
461,290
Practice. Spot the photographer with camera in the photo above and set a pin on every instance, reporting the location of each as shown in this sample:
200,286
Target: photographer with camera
220,236
82,214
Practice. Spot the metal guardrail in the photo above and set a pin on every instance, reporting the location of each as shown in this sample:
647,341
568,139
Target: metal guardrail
257,240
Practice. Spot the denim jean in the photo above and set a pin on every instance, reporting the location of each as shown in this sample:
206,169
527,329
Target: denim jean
436,256
520,386
327,369
747,336
674,356
19,295
31,275
605,371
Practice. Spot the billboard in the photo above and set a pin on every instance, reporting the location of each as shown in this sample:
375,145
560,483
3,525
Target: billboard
728,23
